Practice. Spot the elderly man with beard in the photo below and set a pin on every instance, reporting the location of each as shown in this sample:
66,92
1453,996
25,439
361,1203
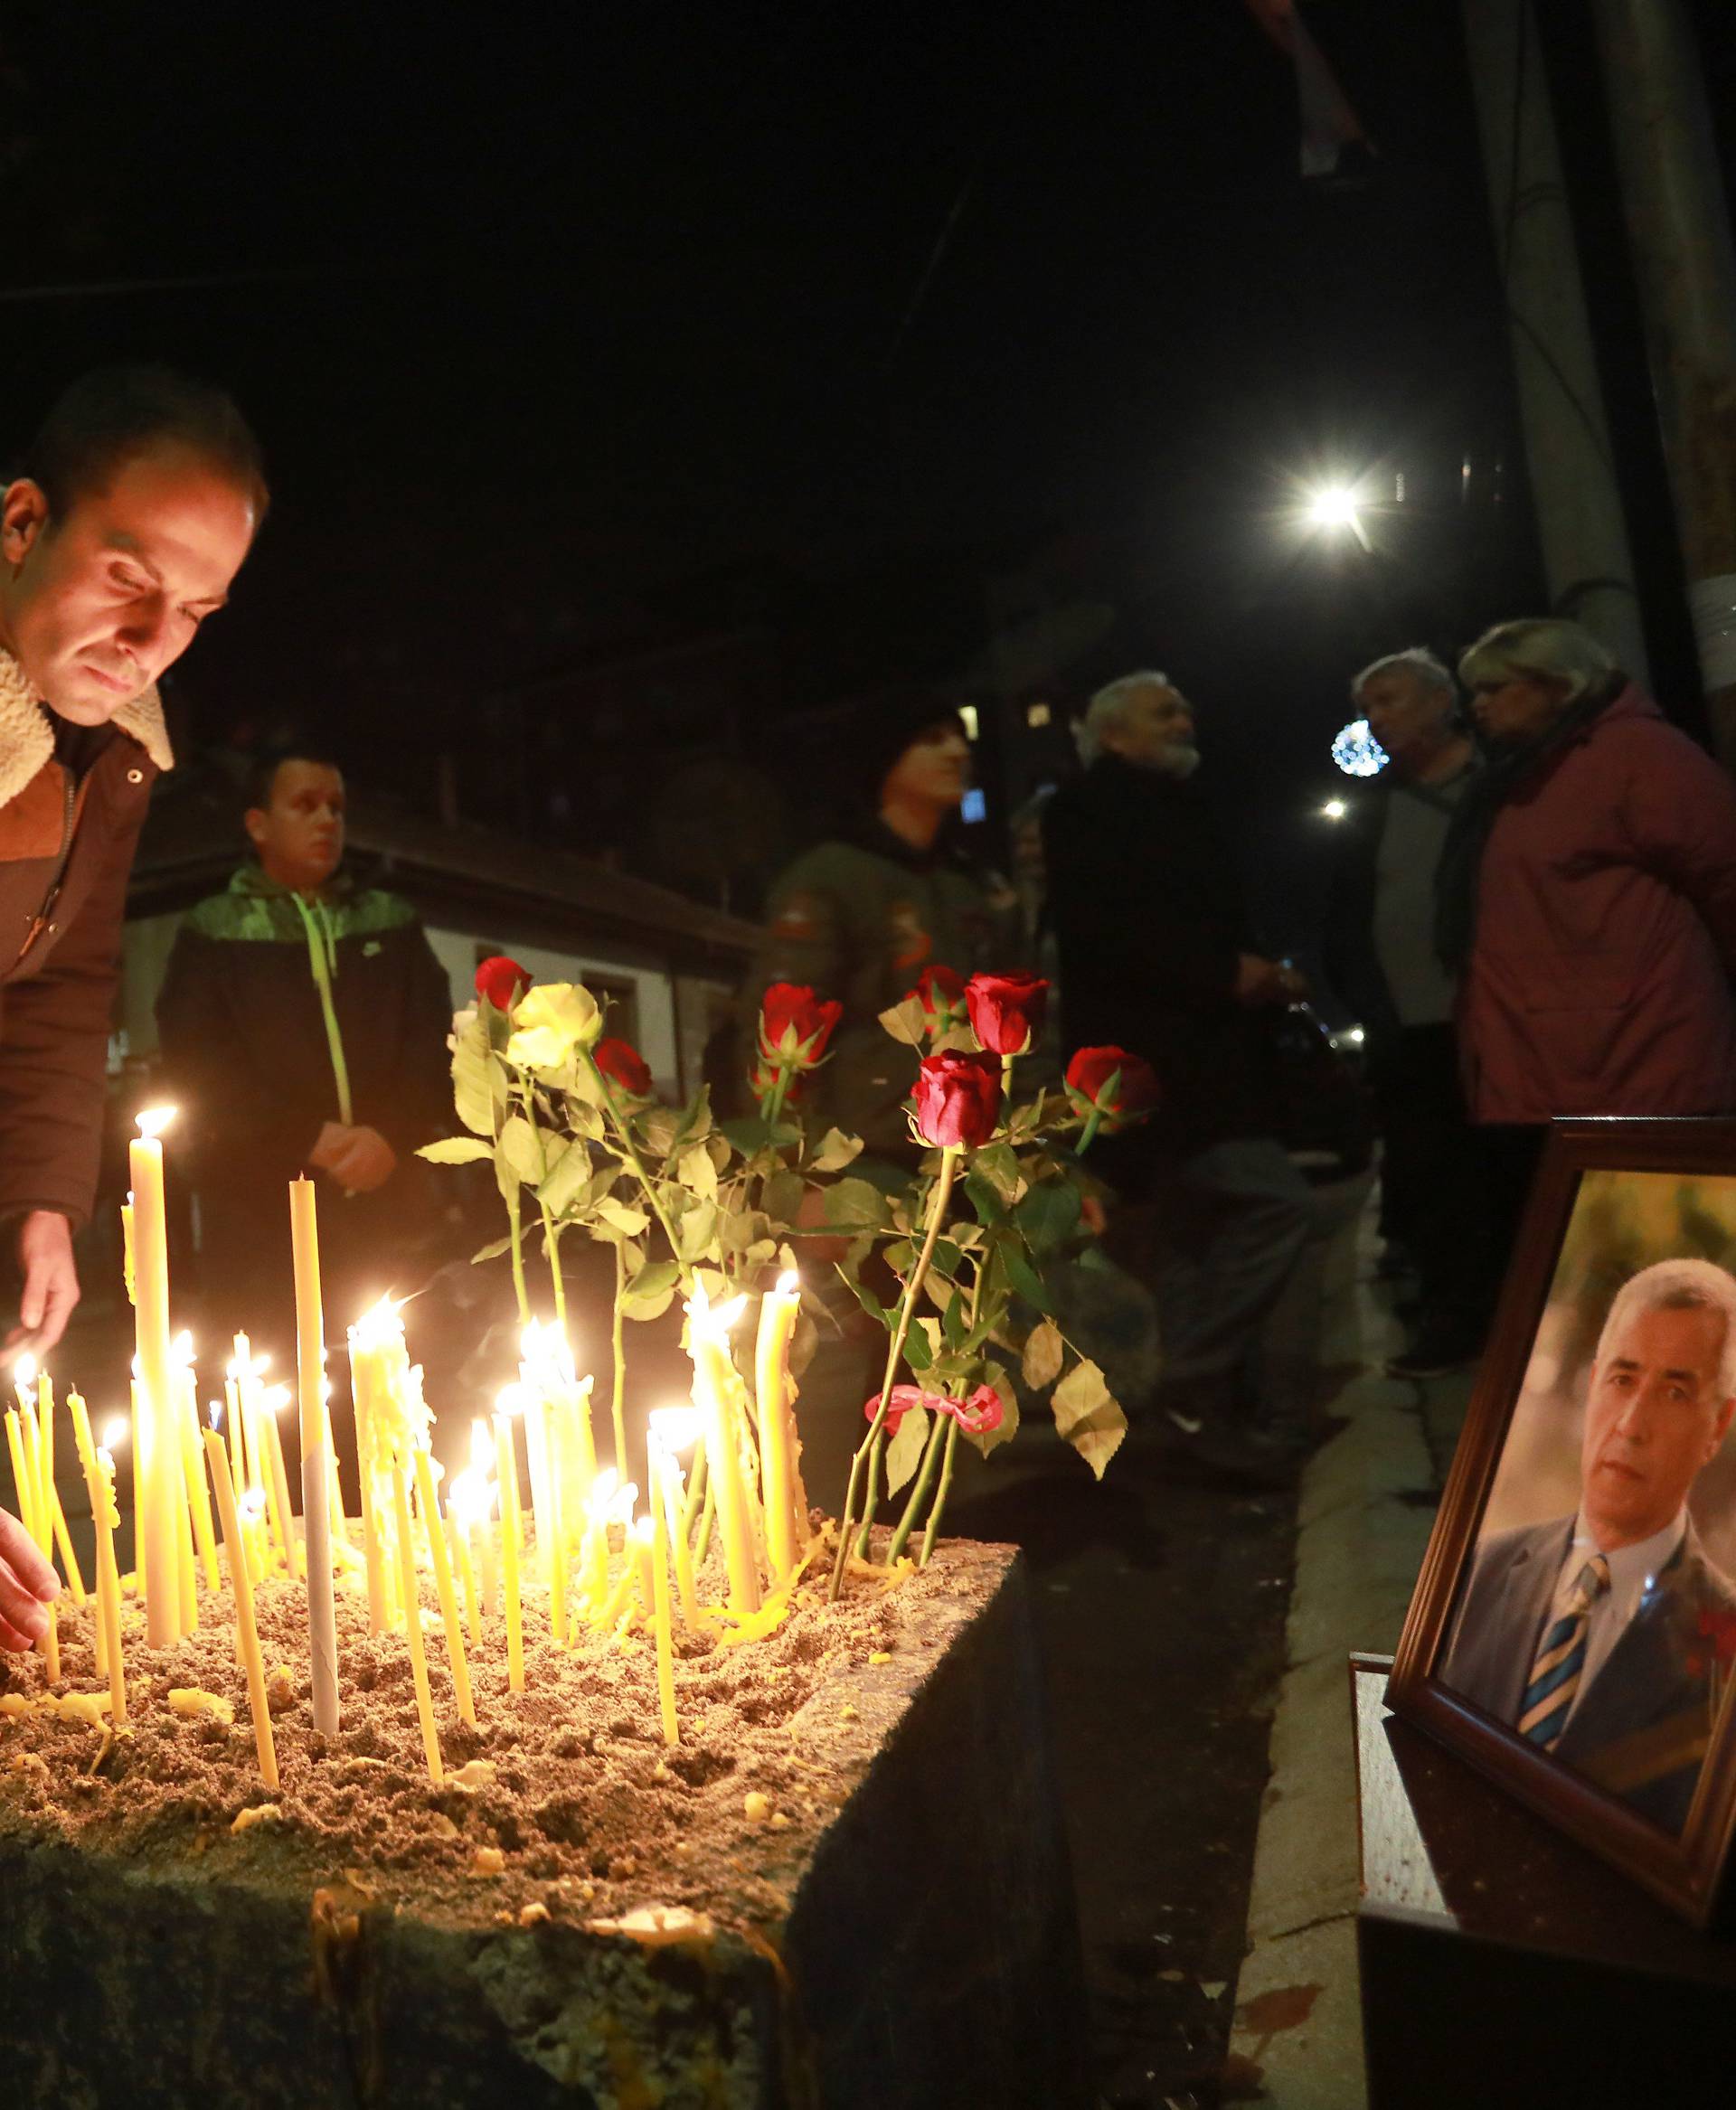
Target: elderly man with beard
1594,1636
130,515
1155,957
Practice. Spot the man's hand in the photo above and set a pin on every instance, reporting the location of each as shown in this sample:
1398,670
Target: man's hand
28,1586
51,1283
359,1159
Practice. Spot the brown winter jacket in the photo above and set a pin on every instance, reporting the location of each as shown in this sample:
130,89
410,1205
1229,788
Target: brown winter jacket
67,837
1598,980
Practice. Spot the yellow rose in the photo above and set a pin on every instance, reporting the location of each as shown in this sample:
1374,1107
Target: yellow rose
550,1020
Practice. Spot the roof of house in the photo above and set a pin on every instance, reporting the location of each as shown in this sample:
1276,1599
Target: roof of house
475,878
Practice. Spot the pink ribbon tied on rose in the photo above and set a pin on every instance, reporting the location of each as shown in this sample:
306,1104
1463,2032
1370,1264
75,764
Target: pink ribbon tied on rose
979,1414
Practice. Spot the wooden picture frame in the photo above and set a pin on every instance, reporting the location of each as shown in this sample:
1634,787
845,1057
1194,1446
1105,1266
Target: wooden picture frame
1504,1555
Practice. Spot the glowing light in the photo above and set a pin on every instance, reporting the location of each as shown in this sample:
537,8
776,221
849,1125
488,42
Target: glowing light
788,1283
181,1350
154,1120
1357,1035
1335,809
215,1413
275,1399
377,1327
23,1372
252,1506
1357,752
676,1428
115,1432
1334,505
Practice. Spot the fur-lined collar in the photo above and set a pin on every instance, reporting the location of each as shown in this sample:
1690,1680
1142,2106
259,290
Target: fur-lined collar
27,731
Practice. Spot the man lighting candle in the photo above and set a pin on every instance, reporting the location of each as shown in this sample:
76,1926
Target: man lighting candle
136,505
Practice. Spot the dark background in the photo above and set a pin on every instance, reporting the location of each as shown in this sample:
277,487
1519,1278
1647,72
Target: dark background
638,385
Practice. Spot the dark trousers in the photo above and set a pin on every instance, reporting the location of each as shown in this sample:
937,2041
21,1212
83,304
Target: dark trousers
1435,1177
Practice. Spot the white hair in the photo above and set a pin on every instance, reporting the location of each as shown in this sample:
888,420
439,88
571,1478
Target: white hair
1415,659
1546,647
1678,1285
1107,709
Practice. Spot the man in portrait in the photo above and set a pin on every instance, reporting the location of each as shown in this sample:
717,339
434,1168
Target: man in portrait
1601,1636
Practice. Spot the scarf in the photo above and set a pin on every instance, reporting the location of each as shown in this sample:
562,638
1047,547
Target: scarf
27,729
1505,769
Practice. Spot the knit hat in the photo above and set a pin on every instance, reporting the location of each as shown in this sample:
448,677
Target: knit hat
887,722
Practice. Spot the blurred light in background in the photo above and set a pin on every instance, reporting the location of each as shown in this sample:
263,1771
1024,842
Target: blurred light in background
1357,752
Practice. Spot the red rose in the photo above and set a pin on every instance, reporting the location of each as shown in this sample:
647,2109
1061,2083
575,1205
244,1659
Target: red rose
623,1062
1112,1084
941,995
1007,1011
957,1100
502,982
795,1026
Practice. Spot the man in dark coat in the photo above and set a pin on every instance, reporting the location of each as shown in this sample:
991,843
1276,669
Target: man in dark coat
303,1023
1601,1636
133,510
1148,914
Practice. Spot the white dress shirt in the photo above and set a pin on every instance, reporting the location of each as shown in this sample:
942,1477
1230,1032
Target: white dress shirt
1633,1572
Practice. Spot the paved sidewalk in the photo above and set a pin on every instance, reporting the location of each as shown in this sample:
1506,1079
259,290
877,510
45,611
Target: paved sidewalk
1367,1503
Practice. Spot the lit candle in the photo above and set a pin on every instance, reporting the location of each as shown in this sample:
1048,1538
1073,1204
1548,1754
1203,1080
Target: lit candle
431,1509
482,1462
670,1431
315,1455
506,1473
715,1385
156,1457
269,1404
247,1632
99,1482
457,1541
617,1609
26,1471
413,1624
546,1500
187,1423
57,1513
127,1272
369,1376
780,1451
660,1619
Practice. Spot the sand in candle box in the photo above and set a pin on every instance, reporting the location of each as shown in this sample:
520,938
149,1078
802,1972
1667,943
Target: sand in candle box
578,1913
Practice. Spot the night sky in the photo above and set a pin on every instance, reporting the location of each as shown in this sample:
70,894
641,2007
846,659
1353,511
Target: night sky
539,315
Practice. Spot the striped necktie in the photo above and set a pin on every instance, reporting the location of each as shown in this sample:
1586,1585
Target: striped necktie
1556,1675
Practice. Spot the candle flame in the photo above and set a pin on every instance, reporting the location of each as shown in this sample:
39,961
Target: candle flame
181,1350
23,1372
716,1321
470,1498
481,1448
154,1120
275,1399
676,1428
214,1411
105,1459
115,1432
378,1325
642,1528
510,1399
252,1505
602,1492
789,1283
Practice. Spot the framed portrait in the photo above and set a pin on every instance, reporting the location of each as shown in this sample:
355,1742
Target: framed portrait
1573,1630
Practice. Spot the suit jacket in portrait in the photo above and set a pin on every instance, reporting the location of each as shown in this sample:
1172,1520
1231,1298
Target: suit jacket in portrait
1642,1725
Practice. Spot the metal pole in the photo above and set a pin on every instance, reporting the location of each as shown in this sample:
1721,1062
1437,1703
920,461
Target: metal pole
1678,223
1587,560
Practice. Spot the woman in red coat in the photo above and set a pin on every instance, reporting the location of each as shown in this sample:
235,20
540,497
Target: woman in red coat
1588,896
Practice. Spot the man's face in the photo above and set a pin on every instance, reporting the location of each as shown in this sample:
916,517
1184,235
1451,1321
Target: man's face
1408,715
934,769
1155,732
1517,707
96,603
1654,1417
299,833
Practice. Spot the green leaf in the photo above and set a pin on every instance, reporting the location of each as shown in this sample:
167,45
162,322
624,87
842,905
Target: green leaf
696,1171
985,1201
455,1150
586,1121
518,1145
998,1164
696,1233
904,1450
854,1205
660,1126
1041,1364
952,1323
918,1351
866,1298
478,1082
837,1150
907,1022
650,1292
1048,1215
492,1250
1023,1277
742,1227
1089,1416
571,1176
781,1197
621,1217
